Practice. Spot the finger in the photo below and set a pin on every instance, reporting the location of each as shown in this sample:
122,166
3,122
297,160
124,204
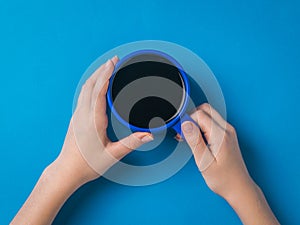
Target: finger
104,77
126,145
88,86
102,83
99,71
213,114
93,78
84,97
201,152
213,132
115,59
207,160
194,138
204,121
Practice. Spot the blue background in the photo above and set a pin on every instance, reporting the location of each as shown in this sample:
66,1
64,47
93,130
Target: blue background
252,47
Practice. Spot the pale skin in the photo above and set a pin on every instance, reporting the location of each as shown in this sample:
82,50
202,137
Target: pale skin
220,162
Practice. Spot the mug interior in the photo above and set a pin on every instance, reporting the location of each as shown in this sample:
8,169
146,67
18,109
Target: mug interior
147,90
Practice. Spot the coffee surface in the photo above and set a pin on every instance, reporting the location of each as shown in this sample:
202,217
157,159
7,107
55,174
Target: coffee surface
145,87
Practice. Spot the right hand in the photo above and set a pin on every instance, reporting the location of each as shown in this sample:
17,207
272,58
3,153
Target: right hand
220,161
223,168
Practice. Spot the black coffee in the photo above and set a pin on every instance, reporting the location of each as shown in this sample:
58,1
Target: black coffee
145,87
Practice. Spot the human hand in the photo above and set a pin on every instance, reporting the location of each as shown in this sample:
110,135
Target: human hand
220,162
222,165
87,130
86,154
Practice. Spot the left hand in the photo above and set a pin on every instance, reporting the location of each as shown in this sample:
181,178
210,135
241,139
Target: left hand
86,154
87,149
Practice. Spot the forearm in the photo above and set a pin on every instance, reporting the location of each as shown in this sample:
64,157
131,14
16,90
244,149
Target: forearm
251,206
54,187
58,181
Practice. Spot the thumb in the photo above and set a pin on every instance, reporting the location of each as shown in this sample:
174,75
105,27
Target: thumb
126,145
193,137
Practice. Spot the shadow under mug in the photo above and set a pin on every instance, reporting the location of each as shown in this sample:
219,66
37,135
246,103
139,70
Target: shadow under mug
146,85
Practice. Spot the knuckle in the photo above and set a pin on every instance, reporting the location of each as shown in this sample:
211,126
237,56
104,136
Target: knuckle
130,144
195,141
205,107
83,87
230,129
133,141
199,145
88,83
200,114
110,63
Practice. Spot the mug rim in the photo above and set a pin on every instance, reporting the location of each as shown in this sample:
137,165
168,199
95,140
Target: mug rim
174,120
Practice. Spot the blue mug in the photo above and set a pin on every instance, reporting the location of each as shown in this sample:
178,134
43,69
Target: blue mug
144,64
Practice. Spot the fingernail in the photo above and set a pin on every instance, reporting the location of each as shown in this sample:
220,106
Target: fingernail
178,138
115,57
147,138
187,127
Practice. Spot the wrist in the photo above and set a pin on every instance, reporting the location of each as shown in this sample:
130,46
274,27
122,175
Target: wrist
62,176
69,172
251,206
242,192
247,200
73,164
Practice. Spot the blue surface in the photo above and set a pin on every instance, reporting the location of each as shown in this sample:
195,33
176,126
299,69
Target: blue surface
252,47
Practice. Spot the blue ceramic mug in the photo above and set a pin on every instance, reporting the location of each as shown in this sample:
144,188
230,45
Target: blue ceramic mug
142,86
